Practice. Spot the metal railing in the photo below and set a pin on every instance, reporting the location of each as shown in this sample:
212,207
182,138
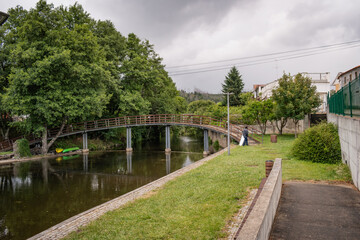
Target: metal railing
142,120
346,101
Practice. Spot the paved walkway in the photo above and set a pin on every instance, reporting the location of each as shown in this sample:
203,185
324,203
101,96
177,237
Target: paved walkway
317,211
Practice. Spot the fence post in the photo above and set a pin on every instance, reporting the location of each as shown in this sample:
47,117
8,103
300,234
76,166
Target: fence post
342,102
350,96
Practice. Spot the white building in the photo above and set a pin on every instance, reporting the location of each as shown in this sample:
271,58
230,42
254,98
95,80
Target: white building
344,78
322,83
320,80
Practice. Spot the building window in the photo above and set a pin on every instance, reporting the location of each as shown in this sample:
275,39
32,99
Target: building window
350,77
356,75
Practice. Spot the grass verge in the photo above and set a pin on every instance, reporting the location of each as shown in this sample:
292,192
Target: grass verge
198,204
5,153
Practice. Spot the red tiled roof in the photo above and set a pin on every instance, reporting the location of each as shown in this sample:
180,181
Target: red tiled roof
258,85
348,71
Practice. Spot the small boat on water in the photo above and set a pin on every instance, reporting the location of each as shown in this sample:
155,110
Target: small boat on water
59,150
70,157
70,149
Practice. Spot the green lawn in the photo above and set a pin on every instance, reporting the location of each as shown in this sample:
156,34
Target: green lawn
5,153
198,204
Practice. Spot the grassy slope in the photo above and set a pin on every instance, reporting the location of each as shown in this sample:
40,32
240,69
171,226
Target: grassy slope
198,204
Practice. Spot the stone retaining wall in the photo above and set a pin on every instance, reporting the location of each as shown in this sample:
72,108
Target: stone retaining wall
72,224
349,134
259,223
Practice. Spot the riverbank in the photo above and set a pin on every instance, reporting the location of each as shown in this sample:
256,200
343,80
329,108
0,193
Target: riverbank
37,157
200,204
62,229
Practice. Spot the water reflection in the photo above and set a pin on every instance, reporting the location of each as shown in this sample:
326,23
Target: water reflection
129,162
168,162
85,161
39,194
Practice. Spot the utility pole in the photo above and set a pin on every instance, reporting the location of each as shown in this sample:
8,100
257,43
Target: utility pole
228,121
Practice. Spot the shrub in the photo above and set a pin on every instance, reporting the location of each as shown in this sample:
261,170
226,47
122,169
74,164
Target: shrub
319,144
216,145
23,147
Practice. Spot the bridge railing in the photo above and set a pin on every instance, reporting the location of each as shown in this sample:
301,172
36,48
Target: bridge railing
185,119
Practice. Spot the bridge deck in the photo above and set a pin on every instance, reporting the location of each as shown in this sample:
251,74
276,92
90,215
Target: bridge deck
143,120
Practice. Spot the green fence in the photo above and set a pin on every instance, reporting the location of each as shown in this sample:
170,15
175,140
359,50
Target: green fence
346,101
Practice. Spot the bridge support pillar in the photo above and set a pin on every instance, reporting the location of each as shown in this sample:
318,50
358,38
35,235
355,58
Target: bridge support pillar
206,142
167,139
128,140
85,143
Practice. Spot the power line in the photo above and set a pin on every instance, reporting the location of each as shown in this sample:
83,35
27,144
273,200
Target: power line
257,62
265,55
261,60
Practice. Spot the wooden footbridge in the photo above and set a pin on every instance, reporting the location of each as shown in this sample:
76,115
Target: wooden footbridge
203,122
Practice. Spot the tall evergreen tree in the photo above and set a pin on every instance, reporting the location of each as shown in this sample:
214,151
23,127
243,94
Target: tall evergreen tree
234,85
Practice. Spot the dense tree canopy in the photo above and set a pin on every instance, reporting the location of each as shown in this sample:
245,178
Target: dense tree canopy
59,66
201,107
57,69
259,112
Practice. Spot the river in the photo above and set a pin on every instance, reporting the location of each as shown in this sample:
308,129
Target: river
36,195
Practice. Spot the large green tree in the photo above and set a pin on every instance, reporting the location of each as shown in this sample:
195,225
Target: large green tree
295,97
7,44
234,85
201,107
58,71
283,96
113,45
142,72
305,99
259,112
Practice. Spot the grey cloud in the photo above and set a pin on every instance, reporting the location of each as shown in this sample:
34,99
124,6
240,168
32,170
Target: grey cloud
317,20
162,20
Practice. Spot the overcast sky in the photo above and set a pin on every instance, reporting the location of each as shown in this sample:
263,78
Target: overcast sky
189,32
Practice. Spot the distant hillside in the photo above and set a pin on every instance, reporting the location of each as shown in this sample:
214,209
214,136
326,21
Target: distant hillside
198,95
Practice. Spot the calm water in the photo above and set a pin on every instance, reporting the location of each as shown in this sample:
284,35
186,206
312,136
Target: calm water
39,194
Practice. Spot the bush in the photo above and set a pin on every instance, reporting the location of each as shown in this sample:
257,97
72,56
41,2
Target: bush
216,145
23,147
319,144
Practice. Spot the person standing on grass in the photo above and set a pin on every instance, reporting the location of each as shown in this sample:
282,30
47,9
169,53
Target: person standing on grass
246,135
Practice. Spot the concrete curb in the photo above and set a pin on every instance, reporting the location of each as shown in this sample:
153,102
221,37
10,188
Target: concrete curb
74,223
259,223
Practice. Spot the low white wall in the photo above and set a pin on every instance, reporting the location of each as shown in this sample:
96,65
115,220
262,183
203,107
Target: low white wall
260,220
349,134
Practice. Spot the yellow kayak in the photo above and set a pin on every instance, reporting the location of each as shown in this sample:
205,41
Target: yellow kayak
59,150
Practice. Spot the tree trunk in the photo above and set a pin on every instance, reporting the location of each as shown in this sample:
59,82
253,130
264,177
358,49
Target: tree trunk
262,127
45,145
58,134
283,122
277,126
6,137
296,122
